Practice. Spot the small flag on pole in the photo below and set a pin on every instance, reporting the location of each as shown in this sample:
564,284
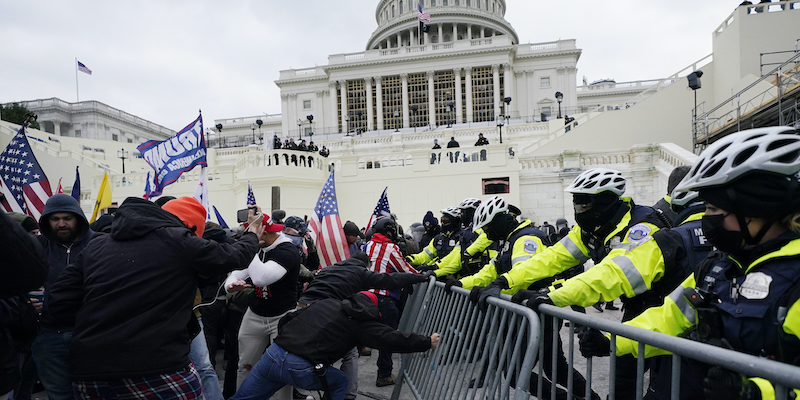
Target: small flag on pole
83,68
60,189
147,192
22,180
76,187
219,218
326,224
251,200
201,192
103,198
422,16
381,210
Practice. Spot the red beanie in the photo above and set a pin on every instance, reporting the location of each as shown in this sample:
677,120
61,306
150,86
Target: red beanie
189,211
371,296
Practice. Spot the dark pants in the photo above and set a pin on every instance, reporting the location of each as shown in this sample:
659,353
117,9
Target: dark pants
562,368
390,316
231,320
691,380
212,321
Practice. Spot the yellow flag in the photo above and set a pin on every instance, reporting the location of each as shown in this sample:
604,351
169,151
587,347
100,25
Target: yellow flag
103,197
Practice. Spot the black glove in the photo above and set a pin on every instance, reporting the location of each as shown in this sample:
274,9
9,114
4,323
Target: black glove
539,299
483,293
523,295
428,274
721,383
448,287
594,344
423,268
409,260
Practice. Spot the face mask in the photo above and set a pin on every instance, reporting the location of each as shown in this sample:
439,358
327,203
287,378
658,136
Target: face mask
730,242
296,240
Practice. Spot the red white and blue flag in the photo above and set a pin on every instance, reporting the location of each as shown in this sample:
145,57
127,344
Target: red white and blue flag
147,191
381,210
251,199
24,186
327,226
422,16
201,192
83,68
176,155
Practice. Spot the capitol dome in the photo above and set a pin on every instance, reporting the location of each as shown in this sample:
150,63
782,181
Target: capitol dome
451,20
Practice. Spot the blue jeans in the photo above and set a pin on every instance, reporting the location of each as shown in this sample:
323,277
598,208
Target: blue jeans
278,368
198,354
51,354
390,316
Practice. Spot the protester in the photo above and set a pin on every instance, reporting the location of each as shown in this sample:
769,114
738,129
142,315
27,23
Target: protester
130,294
354,236
318,336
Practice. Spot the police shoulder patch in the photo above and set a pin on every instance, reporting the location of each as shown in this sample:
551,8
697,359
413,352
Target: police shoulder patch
530,246
638,233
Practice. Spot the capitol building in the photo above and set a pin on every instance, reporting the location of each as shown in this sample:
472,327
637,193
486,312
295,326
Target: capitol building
380,109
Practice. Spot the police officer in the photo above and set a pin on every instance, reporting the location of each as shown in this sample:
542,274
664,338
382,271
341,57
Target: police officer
609,226
517,242
745,295
442,244
474,250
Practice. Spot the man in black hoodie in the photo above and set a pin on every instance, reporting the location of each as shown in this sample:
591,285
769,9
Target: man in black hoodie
65,233
320,335
130,294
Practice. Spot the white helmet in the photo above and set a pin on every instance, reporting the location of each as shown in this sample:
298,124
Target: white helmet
453,212
487,211
680,199
774,149
598,180
470,202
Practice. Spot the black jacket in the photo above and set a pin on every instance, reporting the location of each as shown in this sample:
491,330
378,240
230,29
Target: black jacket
130,293
21,264
350,276
326,330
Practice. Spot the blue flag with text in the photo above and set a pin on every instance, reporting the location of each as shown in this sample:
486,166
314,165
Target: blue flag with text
176,155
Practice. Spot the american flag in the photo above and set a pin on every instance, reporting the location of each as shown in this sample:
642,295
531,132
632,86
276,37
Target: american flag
251,200
22,181
422,16
325,223
381,210
147,193
83,68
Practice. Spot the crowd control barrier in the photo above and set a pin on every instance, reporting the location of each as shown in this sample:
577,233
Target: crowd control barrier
505,341
492,348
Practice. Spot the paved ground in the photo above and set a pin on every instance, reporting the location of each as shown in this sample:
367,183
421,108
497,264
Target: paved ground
367,368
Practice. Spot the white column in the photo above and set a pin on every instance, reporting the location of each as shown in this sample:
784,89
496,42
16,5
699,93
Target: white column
427,37
368,86
399,39
431,101
483,33
530,90
412,34
343,86
455,32
284,112
292,111
457,75
508,86
468,84
57,128
469,31
332,120
441,38
404,79
379,101
496,88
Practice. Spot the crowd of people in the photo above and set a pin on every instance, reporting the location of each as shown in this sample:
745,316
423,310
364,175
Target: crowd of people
290,144
137,304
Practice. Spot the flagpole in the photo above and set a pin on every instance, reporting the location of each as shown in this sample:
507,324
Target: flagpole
77,91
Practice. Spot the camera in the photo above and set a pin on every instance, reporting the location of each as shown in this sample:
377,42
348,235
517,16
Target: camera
241,215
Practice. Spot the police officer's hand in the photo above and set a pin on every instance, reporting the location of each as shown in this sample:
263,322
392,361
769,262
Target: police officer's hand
428,274
594,344
483,293
448,286
409,260
424,267
523,295
539,299
721,383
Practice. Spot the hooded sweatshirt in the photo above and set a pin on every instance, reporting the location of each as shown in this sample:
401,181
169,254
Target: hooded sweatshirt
326,330
130,293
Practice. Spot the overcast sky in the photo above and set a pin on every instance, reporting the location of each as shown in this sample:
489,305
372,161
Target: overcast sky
164,60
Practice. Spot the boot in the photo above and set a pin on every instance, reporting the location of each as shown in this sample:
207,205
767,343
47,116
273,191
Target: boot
598,306
610,306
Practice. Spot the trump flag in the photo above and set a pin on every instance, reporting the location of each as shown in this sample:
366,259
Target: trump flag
176,155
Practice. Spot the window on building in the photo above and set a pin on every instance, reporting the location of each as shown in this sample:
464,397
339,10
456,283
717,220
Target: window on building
495,185
458,2
306,104
401,6
77,133
392,10
130,140
547,111
444,2
478,2
482,94
115,137
544,81
444,92
308,131
469,3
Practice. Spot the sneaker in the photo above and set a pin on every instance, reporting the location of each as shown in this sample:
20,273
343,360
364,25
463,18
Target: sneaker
366,352
384,381
598,306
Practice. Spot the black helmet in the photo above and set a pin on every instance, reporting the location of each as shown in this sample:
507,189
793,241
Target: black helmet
386,227
297,224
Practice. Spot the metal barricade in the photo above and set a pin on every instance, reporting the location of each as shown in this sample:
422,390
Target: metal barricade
496,349
783,376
